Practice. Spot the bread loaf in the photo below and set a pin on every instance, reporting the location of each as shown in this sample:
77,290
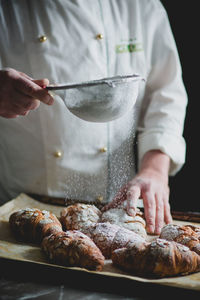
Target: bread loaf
120,217
32,225
160,258
79,216
73,248
109,237
188,235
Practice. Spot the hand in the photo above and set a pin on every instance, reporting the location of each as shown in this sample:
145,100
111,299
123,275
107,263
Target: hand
19,93
150,184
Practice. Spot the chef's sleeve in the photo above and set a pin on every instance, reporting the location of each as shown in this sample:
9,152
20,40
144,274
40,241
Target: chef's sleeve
161,122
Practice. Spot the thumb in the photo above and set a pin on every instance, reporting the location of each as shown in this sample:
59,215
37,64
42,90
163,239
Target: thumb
43,83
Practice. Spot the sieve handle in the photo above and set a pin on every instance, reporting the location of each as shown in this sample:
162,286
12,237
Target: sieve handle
68,86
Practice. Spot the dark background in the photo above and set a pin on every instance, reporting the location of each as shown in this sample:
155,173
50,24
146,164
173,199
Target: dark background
185,25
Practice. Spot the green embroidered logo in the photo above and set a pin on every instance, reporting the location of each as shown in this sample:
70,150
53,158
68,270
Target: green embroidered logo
128,46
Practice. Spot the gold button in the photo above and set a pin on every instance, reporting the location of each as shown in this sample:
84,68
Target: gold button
103,149
57,154
42,38
99,36
99,198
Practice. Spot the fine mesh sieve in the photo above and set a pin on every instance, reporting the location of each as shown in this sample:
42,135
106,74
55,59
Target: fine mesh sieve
100,100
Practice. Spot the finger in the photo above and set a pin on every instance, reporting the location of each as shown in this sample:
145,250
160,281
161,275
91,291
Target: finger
25,75
133,195
149,210
33,90
9,115
167,212
42,82
22,103
159,221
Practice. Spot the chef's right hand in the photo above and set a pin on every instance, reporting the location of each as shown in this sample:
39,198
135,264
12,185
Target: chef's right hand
19,93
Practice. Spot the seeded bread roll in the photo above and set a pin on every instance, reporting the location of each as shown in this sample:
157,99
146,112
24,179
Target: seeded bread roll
79,216
32,225
73,248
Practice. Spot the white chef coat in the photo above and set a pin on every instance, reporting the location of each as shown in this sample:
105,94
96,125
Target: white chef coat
51,151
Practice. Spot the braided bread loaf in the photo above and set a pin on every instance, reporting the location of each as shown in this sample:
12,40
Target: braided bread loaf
160,258
32,225
188,235
73,248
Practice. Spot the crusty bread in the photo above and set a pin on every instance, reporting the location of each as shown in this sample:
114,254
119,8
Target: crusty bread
32,224
79,216
73,248
105,229
109,237
160,258
175,252
120,217
188,235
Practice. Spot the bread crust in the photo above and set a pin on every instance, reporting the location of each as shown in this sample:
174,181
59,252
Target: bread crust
120,217
32,224
109,237
73,248
188,235
160,258
79,216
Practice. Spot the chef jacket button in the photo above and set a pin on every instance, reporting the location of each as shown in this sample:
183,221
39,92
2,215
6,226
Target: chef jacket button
57,154
103,149
99,198
42,38
99,36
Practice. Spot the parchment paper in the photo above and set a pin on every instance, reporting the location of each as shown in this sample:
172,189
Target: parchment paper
11,249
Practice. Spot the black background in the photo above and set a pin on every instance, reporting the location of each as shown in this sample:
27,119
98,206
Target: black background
184,20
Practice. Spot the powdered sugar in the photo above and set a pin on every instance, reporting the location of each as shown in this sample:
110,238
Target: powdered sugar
79,216
170,232
120,217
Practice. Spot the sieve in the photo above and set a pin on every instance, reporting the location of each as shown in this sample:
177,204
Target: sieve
101,100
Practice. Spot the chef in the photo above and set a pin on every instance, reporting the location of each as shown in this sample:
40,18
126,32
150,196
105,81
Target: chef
46,150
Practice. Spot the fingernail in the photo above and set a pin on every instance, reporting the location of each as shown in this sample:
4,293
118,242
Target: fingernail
150,229
50,100
158,229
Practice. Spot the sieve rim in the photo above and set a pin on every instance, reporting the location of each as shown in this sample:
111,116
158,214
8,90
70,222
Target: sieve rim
110,81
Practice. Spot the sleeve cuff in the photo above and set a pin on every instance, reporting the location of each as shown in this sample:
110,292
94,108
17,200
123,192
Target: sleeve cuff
173,146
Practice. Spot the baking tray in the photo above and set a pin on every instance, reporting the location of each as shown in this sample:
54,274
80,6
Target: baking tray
17,251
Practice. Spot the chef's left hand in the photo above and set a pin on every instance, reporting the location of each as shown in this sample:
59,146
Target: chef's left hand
150,184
